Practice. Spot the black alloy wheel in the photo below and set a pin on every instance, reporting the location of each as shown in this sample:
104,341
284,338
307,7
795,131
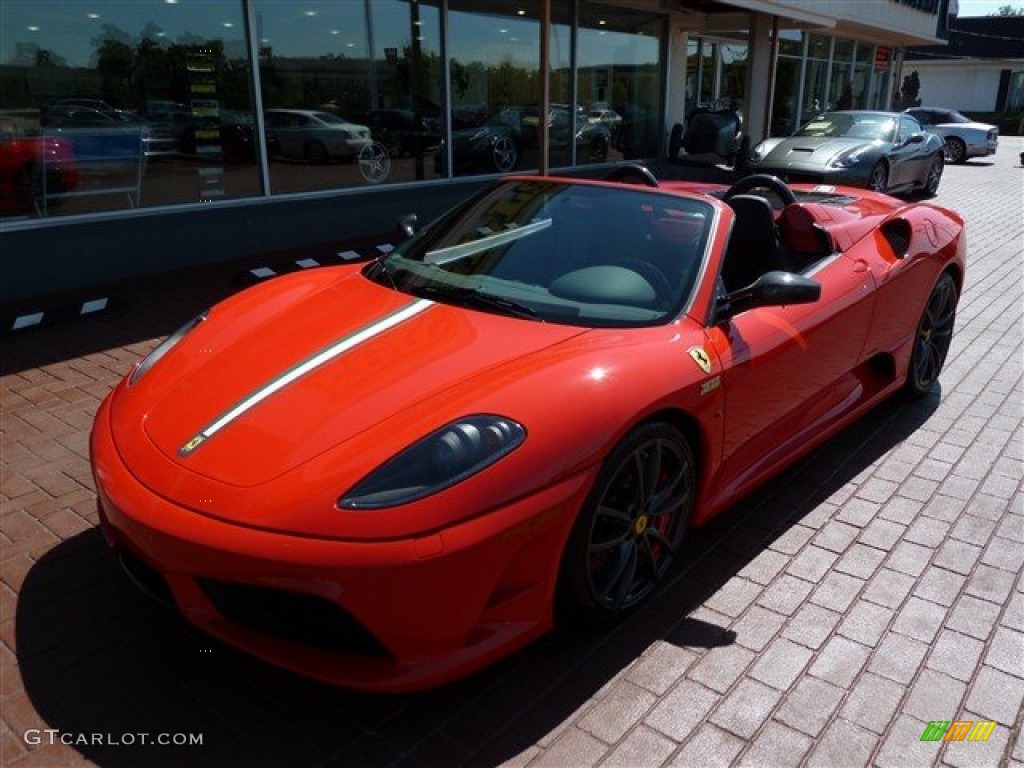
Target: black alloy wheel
628,535
934,334
934,177
955,149
879,178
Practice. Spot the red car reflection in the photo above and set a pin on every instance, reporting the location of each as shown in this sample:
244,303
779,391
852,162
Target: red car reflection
32,167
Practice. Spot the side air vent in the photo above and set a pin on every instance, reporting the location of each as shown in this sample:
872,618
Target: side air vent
897,233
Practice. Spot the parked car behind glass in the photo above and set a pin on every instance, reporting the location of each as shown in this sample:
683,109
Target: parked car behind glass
314,136
963,137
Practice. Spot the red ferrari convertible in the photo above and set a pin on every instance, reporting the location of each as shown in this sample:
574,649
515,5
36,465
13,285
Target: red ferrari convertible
388,475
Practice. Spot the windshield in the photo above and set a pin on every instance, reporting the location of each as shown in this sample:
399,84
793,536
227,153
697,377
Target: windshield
556,251
873,126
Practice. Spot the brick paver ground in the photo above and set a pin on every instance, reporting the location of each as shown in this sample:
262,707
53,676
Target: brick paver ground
824,622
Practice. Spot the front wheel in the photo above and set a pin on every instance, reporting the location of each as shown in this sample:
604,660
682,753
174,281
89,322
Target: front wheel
934,334
627,537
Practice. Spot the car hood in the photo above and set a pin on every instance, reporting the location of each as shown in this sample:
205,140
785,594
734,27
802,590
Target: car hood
264,386
810,151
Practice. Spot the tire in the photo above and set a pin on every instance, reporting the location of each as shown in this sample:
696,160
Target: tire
504,154
626,539
878,180
932,338
934,176
955,150
316,153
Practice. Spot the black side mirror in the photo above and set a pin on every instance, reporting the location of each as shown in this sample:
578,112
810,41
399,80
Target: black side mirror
772,289
915,138
407,225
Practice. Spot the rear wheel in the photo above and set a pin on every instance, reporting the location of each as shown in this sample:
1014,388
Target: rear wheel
628,534
316,152
934,333
598,150
504,154
955,149
879,178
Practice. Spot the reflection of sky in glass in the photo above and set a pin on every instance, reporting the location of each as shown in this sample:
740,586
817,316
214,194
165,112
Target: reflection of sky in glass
71,29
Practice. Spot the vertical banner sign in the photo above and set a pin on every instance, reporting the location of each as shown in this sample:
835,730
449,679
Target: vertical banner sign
883,57
202,83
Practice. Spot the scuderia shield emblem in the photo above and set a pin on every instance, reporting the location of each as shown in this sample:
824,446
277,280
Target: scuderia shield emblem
700,357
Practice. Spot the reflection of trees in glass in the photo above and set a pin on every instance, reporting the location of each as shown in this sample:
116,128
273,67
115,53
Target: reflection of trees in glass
133,71
45,58
503,84
115,61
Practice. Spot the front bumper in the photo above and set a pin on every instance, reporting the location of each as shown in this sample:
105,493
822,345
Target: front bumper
386,616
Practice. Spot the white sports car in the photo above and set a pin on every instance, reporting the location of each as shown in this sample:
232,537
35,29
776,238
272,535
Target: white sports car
963,137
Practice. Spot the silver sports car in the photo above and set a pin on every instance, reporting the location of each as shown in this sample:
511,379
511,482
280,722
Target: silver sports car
963,137
883,151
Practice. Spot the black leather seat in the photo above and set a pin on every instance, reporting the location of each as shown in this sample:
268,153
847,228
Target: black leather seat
754,246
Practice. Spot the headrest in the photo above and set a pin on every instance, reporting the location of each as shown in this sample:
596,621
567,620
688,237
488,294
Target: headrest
801,231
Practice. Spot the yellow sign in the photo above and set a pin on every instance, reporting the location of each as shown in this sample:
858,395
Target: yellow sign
700,357
191,445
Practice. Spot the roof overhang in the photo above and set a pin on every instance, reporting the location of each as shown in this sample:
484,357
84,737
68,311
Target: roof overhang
898,37
783,11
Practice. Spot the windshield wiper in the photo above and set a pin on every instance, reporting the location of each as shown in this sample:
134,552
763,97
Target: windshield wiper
383,269
470,297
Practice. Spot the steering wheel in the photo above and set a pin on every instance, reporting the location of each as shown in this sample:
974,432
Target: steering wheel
761,181
632,174
663,291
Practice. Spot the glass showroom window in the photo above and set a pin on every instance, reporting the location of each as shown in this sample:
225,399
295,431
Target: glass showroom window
862,75
815,95
494,60
785,105
112,105
351,92
621,69
840,88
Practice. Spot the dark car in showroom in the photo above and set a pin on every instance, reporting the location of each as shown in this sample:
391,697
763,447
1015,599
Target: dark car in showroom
482,141
402,131
883,151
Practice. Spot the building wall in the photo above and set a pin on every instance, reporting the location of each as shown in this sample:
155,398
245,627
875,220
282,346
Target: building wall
968,87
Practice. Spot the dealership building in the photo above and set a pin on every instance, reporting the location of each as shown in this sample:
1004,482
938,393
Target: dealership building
138,138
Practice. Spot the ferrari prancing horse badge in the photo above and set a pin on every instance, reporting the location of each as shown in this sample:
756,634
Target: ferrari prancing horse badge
700,357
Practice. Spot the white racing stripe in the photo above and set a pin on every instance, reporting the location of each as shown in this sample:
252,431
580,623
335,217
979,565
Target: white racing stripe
319,359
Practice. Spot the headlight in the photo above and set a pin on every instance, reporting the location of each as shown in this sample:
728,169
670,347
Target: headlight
441,459
850,158
150,360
